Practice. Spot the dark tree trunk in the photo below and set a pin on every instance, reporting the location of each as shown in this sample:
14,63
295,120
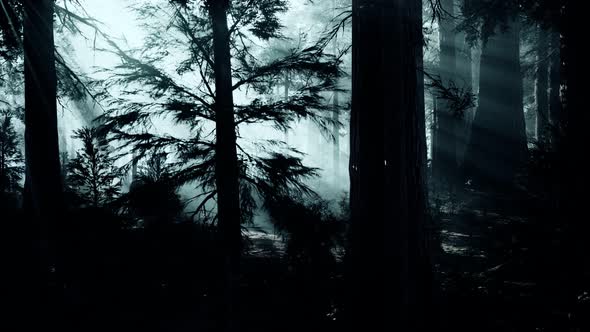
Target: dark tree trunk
498,143
336,137
465,73
576,179
287,85
541,87
226,166
43,197
387,254
43,179
445,168
555,82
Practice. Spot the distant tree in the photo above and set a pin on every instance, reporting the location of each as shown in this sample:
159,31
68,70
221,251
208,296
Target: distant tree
555,105
542,86
11,160
444,161
92,172
498,145
10,28
153,196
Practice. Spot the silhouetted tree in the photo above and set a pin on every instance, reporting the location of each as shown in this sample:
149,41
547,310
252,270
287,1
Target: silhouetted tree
555,83
152,196
576,178
542,86
11,28
43,187
92,172
387,246
444,161
498,145
227,169
11,160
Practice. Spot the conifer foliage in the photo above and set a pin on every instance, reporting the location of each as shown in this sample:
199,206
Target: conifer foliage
92,173
159,88
11,159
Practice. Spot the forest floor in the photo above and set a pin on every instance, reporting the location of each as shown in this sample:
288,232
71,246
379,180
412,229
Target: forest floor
499,266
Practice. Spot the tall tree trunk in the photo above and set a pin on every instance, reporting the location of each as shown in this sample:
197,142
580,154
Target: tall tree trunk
498,143
44,198
226,166
336,116
465,72
387,254
43,178
445,169
336,134
286,85
541,87
576,178
555,83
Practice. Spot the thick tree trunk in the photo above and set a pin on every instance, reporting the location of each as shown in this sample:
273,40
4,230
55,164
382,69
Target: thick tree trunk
576,178
387,253
226,166
498,144
445,168
44,199
43,178
541,87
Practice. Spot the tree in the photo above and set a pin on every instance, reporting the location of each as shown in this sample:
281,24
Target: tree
43,187
218,43
10,28
11,161
92,173
575,118
465,77
444,164
387,253
541,86
152,198
555,83
226,158
498,145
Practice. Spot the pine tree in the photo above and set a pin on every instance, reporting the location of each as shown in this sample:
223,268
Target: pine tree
187,98
218,42
92,173
11,160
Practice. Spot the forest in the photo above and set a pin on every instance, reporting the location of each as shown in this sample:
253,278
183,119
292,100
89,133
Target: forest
290,165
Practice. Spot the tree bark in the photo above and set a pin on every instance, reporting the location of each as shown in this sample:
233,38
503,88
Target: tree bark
465,72
445,168
541,87
387,254
43,197
576,180
555,83
41,135
498,144
336,134
226,165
